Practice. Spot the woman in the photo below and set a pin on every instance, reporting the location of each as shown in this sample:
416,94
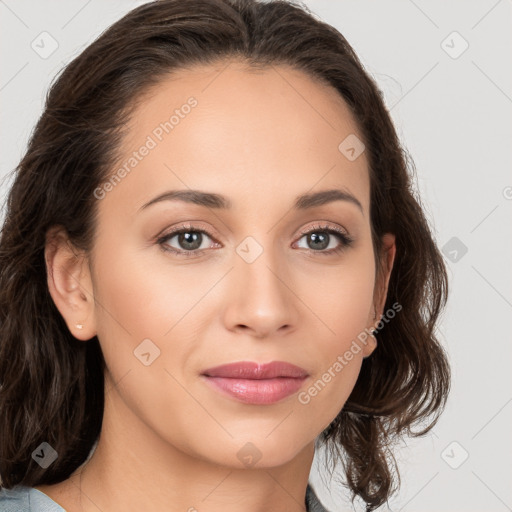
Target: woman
212,263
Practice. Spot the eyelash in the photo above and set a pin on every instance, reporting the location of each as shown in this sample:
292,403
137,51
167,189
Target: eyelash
346,240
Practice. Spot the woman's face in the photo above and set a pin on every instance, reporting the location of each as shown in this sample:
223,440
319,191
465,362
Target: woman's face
246,283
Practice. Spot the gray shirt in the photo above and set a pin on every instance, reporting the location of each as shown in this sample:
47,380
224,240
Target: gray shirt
27,499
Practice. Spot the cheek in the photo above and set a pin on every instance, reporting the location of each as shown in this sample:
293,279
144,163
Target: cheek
343,304
142,329
339,358
328,391
146,312
341,298
139,296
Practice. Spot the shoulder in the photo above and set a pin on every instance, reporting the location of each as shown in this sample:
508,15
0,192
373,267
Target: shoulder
26,499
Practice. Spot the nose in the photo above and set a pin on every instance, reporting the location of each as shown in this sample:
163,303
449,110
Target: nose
261,299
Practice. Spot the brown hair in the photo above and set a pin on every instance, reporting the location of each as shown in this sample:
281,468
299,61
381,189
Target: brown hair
51,384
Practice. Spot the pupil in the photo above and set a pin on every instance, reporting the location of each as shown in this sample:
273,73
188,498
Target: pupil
190,238
322,238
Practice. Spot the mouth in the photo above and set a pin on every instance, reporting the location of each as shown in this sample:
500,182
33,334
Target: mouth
254,383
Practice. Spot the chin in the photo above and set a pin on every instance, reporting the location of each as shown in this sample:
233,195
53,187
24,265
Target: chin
259,451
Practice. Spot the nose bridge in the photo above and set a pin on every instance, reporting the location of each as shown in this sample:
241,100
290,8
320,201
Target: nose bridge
263,300
259,264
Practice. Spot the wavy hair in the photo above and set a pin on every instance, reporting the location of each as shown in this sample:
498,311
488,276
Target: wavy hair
51,384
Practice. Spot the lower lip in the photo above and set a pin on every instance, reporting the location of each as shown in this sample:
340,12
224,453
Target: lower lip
257,391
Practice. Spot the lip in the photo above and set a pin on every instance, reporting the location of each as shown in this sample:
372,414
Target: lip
255,383
252,370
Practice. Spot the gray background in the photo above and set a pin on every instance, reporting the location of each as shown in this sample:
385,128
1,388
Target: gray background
452,111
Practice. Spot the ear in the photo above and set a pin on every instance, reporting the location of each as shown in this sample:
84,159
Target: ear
69,283
387,259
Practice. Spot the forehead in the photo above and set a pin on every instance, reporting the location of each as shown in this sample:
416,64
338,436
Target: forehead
235,130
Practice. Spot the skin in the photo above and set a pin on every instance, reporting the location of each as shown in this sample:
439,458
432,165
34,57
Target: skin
261,138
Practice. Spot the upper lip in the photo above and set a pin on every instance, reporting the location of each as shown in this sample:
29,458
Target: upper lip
253,370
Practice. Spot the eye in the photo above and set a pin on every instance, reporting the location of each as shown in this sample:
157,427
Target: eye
188,239
321,237
191,240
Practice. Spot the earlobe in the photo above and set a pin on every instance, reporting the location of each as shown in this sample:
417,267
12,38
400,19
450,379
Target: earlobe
70,284
370,345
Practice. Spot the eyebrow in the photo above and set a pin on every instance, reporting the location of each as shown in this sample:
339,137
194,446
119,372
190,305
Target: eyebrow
218,201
